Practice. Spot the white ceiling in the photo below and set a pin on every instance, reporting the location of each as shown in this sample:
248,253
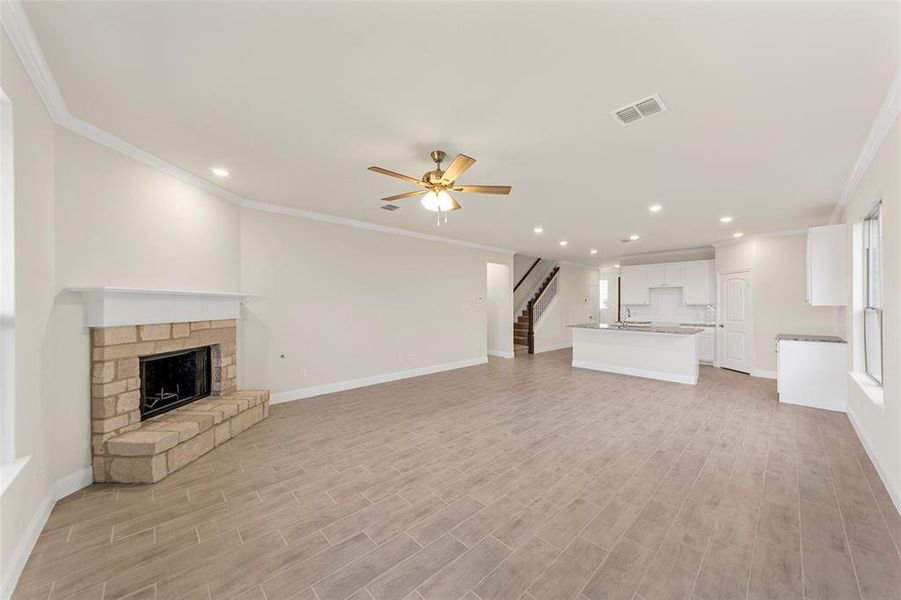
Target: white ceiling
769,105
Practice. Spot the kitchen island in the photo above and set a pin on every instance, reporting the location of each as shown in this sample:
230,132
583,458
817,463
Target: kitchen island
654,352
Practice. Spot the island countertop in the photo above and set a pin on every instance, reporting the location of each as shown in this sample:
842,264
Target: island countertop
800,337
639,328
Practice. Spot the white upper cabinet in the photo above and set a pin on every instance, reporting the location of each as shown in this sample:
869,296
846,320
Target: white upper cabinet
827,265
696,278
635,285
656,275
665,275
698,283
673,276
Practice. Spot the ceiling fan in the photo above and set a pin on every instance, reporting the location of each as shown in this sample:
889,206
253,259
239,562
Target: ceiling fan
438,184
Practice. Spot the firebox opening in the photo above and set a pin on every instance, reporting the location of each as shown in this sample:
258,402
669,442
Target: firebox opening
174,379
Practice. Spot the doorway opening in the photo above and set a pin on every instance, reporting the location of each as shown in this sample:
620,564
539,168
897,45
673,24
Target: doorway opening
499,309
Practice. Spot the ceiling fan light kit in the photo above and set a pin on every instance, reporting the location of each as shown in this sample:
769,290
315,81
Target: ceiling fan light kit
439,183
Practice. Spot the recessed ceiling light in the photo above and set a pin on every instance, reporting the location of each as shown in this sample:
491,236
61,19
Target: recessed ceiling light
538,229
593,251
725,219
655,208
219,172
633,237
737,234
563,243
616,266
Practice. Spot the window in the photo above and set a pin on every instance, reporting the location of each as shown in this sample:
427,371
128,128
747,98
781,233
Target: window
603,295
872,313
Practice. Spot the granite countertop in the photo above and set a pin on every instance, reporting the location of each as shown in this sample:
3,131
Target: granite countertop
698,324
800,337
640,328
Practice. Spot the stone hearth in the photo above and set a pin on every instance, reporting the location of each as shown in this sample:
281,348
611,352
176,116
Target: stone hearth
128,450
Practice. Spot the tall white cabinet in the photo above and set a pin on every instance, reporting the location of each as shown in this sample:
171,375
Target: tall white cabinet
635,285
699,283
827,265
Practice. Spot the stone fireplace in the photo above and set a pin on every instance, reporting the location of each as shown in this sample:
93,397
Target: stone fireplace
163,394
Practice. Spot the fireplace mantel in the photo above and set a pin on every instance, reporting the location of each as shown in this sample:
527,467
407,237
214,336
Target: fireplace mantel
115,306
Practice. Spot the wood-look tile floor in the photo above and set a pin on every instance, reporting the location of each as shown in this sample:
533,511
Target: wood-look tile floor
520,479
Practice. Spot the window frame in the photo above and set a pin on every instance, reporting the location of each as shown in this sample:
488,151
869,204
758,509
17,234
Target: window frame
873,220
604,294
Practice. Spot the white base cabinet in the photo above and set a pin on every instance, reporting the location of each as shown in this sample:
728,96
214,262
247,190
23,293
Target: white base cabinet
707,346
813,374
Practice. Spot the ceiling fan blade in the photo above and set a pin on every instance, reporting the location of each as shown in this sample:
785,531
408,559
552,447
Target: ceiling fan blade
406,178
483,189
457,167
402,196
456,205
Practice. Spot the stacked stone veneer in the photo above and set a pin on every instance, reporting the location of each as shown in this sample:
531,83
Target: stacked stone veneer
128,450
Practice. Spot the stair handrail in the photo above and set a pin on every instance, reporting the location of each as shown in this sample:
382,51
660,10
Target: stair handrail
523,278
538,305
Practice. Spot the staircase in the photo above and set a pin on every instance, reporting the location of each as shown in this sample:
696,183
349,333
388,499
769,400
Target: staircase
521,326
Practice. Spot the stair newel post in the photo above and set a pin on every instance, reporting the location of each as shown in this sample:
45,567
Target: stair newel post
531,336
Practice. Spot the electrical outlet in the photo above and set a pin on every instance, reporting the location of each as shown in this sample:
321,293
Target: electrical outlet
304,373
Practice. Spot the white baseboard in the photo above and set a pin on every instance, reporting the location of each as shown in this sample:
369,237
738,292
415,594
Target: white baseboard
552,347
763,373
73,482
687,379
349,384
67,485
501,353
894,494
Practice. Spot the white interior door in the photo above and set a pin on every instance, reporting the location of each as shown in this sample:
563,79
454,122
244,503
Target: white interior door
736,327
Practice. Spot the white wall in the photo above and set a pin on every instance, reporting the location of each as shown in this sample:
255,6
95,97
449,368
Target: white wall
521,264
344,304
879,425
23,500
500,310
779,286
778,279
121,222
571,307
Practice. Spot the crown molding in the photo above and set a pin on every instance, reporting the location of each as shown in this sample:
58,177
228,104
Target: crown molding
567,263
18,28
760,236
886,117
666,252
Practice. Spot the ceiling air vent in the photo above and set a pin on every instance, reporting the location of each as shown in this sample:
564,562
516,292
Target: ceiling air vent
390,207
637,111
